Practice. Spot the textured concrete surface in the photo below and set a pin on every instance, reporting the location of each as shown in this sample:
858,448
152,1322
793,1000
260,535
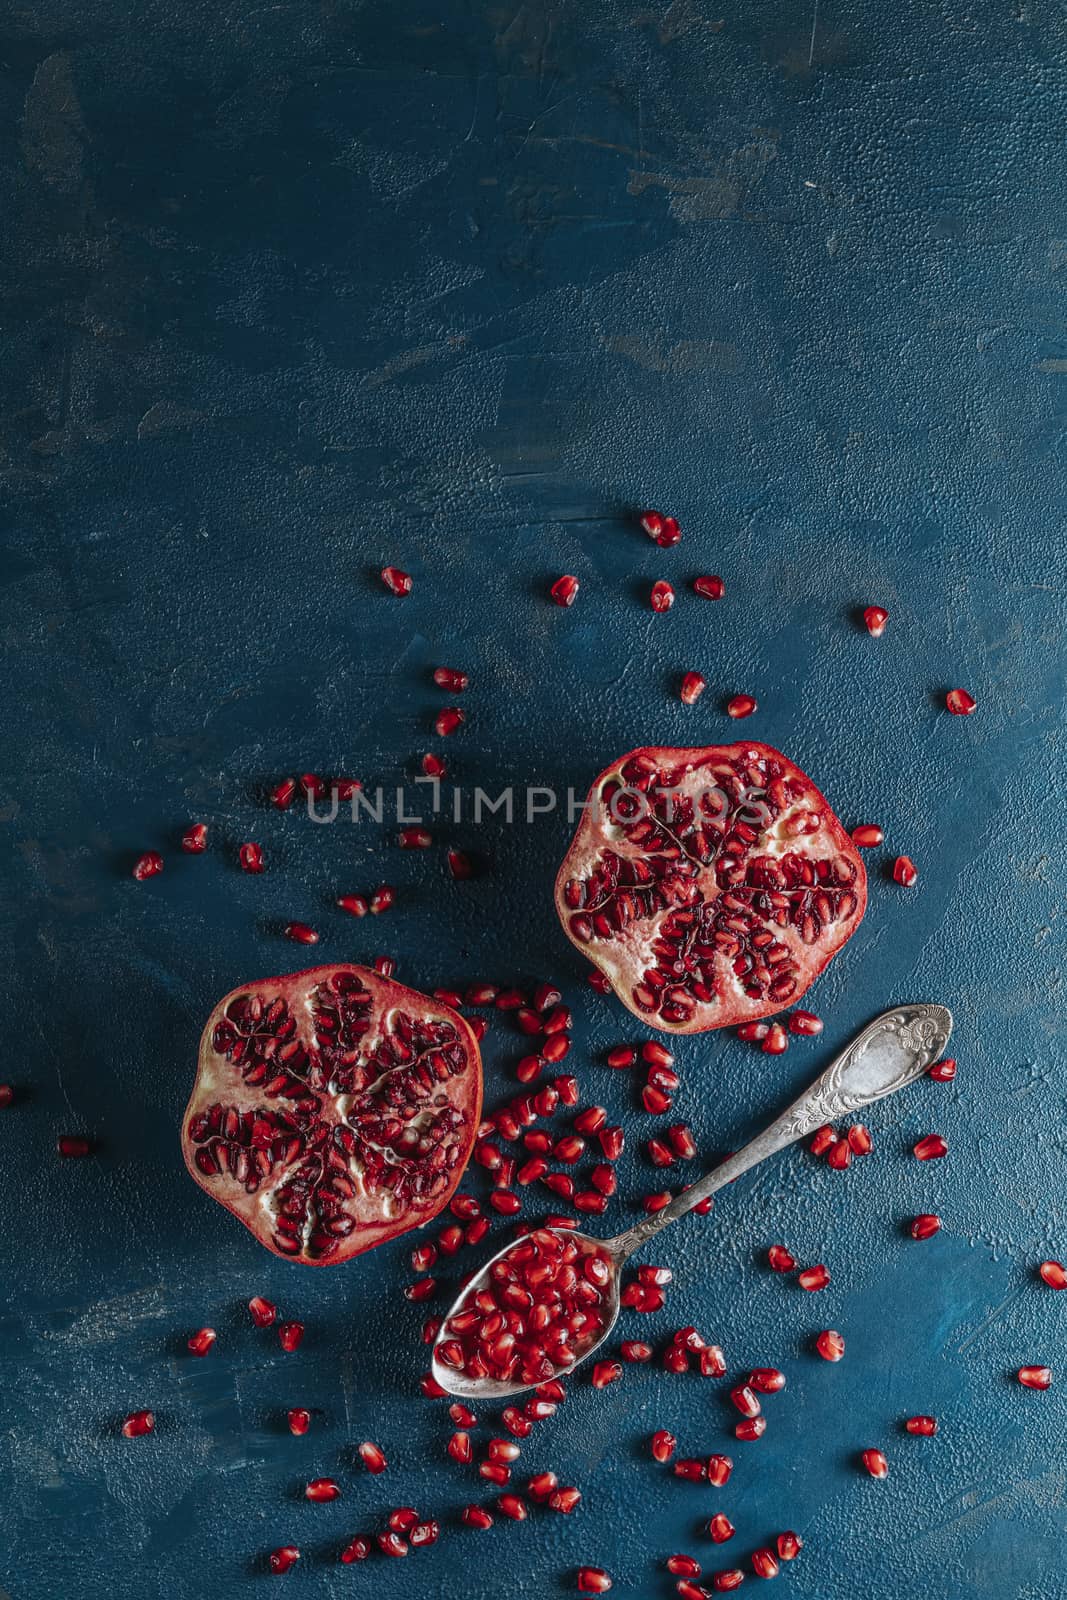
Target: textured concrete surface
292,291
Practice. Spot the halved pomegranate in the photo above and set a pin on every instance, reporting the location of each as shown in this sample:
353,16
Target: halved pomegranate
333,1109
710,886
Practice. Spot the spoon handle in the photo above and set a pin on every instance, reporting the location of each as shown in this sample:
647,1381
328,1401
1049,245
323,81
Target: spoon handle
889,1053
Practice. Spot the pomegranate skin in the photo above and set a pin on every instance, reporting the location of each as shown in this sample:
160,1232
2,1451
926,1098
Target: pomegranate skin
300,1088
790,833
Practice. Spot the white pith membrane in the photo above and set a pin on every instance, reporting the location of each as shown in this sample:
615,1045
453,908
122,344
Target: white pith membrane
332,1109
716,903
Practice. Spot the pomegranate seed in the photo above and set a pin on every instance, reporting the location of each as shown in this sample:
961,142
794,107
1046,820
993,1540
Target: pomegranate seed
282,1559
395,581
506,1202
659,1154
546,997
251,858
567,1089
541,1485
655,1102
263,1311
860,1140
1054,1274
709,588
779,1259
148,865
663,1445
719,1469
1035,1377
415,839
930,1148
693,1471
312,785
391,1544
745,1401
830,1345
384,966
875,619
752,1428
422,1289
753,1032
555,1047
905,872
354,904
683,1566
477,1517
925,1225
605,1372
447,721
593,1580
741,705
691,1591
777,1040
712,1362
322,1489
201,1341
960,703
569,1149
790,1545
509,1505
767,1380
657,1202
591,1120
664,531
424,1533
681,1141
194,839
721,1528
290,1335
449,678
839,1155
565,590
73,1145
433,766
943,1071
867,836
805,1023
692,687
372,1457
635,1350
622,1056
496,1472
516,1423
822,1139
611,1142
300,933
923,1427
382,898
813,1278
461,1415
564,1500
7,1095
299,1421
875,1463
732,1578
461,867
137,1424
764,1564
662,596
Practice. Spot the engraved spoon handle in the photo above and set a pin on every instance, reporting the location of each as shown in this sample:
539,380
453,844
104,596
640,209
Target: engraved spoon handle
890,1052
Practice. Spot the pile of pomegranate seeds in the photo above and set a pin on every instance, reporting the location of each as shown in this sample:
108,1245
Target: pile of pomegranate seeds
542,1306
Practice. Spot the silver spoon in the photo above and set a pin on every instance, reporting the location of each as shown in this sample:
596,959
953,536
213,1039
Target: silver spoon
890,1052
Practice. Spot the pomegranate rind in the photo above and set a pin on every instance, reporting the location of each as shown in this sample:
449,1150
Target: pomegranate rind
302,1121
770,787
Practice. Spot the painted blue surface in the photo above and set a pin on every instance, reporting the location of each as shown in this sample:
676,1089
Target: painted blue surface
294,291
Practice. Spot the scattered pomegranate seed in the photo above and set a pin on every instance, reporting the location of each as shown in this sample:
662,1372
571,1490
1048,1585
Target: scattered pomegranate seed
322,1490
422,1289
285,1557
635,1350
859,1139
299,1421
251,858
372,1457
354,904
720,1528
382,898
790,1545
719,1469
449,678
611,1142
593,1580
709,588
777,1040
263,1311
805,1023
691,1591
663,1445
137,1424
751,1428
905,872
923,1427
664,531
395,581
867,836
194,839
692,687
822,1139
813,1278
414,838
391,1544
201,1341
764,1564
779,1259
943,1071
433,766
357,1550
745,1401
960,703
712,1362
300,933
605,1372
477,1517
7,1095
875,1463
565,590
1054,1274
289,1334
732,1578
875,619
447,721
148,865
930,1148
73,1145
830,1345
509,1505
741,705
683,1566
1035,1377
767,1380
753,1032
839,1155
662,596
312,785
925,1225
657,1202
424,1533
564,1500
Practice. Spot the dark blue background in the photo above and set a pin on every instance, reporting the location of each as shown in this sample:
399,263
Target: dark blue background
292,291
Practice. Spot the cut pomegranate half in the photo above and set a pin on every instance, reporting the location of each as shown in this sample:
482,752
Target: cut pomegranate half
710,886
333,1109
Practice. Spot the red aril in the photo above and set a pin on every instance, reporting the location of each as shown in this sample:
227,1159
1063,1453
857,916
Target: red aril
925,1225
766,1380
7,1095
813,1278
509,1505
751,1428
447,721
372,1457
790,1545
764,1564
822,1140
285,1557
138,1424
448,678
867,836
299,1421
635,1350
282,794
732,1578
202,1340
148,865
356,1550
753,1032
741,705
250,857
565,590
301,933
263,1311
960,703
830,1345
322,1490
745,1401
805,1023
779,1259
692,687
433,766
424,1534
720,1528
905,872
477,1517
776,1042
194,839
1054,1274
710,587
397,582
943,1071
663,1445
541,1485
682,1566
662,596
875,619
564,1500
859,1139
593,1580
922,1426
875,1463
676,885
839,1155
1035,1377
332,1110
73,1146
391,1544
930,1148
719,1469
354,904
382,898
